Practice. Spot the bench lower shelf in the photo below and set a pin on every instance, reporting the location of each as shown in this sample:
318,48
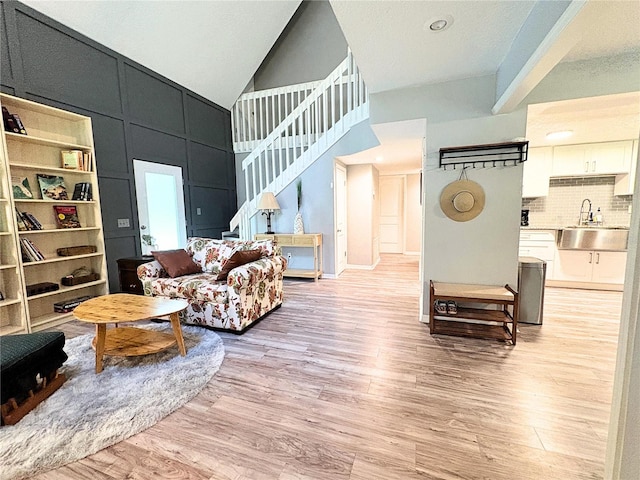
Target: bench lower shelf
474,330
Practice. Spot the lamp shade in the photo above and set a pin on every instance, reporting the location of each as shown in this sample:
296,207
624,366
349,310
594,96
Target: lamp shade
268,202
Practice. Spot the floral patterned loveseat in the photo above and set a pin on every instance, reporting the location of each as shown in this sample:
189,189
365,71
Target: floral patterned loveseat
249,292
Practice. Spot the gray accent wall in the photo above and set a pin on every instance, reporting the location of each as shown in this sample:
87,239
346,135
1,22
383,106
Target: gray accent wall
310,47
136,114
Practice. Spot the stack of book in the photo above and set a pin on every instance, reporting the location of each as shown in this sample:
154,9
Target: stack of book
26,221
12,122
82,191
30,253
68,305
76,160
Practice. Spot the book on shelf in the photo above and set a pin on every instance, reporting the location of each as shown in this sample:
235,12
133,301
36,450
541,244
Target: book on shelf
82,191
68,305
30,253
19,124
27,221
67,216
21,188
32,220
12,122
20,221
72,159
76,160
52,187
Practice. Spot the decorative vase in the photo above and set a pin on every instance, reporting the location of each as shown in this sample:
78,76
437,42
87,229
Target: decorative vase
298,226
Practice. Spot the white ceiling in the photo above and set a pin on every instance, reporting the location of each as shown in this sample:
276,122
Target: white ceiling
214,47
210,47
394,47
595,119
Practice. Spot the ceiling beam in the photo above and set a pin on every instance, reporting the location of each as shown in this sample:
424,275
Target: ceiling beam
535,53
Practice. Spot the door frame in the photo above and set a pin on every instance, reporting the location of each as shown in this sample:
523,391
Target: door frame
142,166
339,166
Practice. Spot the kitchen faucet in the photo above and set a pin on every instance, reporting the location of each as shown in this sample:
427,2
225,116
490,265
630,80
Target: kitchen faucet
581,220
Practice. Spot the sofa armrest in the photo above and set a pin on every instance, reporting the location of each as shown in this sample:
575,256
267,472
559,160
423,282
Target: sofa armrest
150,271
250,273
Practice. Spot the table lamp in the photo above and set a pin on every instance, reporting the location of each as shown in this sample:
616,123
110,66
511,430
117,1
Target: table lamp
268,204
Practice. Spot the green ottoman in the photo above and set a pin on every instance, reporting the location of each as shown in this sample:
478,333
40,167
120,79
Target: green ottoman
29,371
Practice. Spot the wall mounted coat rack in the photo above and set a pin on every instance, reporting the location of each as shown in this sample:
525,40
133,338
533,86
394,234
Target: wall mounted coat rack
483,156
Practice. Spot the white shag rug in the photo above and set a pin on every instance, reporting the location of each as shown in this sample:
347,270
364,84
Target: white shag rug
91,412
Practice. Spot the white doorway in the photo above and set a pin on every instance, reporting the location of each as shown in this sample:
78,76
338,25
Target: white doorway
341,218
160,206
391,214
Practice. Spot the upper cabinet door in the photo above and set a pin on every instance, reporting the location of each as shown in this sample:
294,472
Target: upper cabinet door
570,160
610,157
536,172
625,182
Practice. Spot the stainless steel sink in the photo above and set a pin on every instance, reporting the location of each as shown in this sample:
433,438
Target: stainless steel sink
591,238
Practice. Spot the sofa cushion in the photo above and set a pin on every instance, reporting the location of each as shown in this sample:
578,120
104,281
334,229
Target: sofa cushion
176,262
211,254
201,287
239,257
269,248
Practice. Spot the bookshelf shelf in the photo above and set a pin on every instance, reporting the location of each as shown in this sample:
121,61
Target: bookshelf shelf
54,202
60,259
66,289
50,131
45,141
58,230
26,166
49,320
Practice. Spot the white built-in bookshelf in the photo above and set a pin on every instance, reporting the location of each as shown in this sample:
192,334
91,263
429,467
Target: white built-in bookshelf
49,132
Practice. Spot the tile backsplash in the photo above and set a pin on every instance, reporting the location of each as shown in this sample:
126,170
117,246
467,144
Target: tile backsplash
562,207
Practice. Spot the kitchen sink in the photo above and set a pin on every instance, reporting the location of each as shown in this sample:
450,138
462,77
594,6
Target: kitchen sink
593,238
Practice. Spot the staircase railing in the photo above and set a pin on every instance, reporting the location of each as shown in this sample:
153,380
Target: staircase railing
256,114
321,118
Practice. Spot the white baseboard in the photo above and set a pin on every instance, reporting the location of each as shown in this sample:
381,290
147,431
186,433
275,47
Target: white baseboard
331,276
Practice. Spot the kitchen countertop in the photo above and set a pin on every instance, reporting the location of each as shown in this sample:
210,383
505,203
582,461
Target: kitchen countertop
547,227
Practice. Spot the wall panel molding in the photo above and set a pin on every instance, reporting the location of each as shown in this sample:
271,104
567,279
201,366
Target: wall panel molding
45,61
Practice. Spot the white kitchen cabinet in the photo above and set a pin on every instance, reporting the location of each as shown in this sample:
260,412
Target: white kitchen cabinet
624,183
539,244
585,266
609,267
536,172
608,158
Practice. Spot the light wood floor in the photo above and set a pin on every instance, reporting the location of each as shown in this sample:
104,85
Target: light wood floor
343,382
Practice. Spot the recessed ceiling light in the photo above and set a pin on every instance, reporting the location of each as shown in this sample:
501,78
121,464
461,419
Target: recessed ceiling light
559,135
439,24
379,159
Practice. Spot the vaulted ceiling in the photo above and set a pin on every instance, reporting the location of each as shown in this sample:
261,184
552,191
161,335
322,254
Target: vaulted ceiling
214,47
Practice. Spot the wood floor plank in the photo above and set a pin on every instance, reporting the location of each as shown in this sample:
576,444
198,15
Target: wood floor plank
344,382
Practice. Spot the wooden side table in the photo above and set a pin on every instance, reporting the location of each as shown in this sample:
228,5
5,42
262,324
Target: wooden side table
303,240
127,273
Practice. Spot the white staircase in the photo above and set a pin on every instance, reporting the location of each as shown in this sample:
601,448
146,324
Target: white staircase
289,128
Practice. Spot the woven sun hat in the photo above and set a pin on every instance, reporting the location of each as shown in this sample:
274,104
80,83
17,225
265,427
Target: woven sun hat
462,200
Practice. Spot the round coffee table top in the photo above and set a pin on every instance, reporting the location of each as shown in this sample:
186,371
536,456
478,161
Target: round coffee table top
125,307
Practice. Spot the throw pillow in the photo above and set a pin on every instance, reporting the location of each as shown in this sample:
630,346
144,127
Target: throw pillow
239,257
176,262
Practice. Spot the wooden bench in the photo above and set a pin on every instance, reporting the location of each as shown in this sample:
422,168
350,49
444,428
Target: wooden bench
498,324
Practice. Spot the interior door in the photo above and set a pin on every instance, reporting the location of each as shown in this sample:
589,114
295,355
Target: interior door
160,206
341,218
391,214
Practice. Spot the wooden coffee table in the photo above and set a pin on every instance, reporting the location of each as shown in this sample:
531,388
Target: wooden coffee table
130,341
